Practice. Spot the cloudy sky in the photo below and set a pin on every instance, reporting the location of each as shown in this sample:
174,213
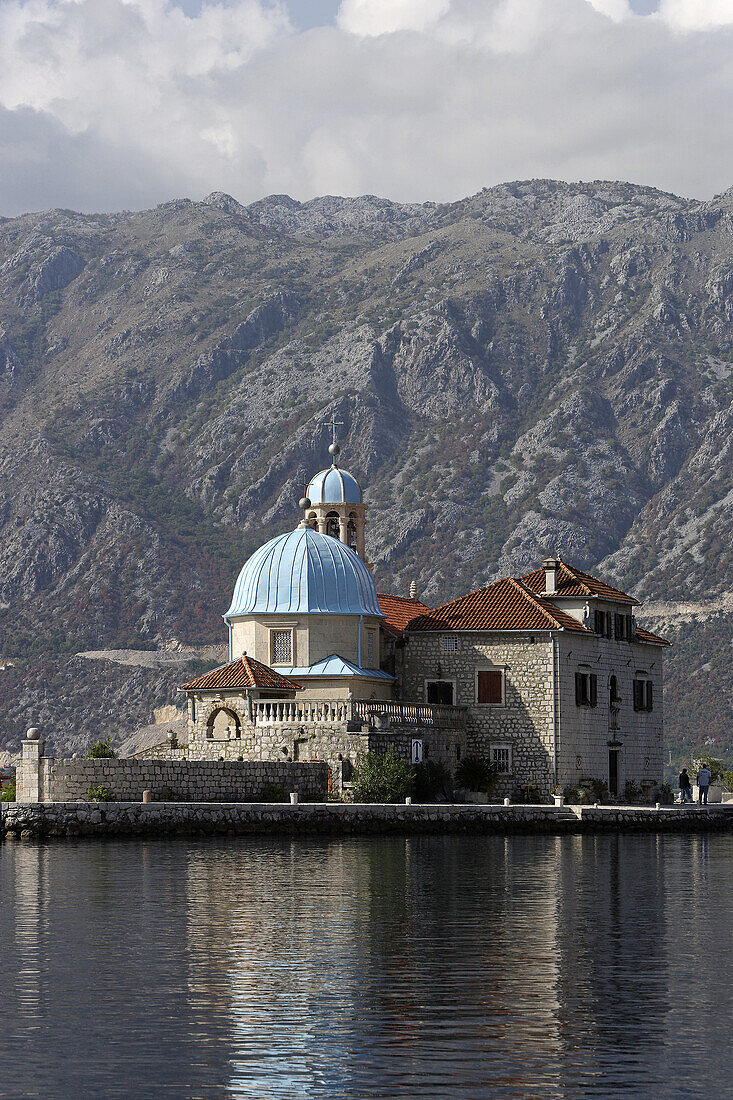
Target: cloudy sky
110,104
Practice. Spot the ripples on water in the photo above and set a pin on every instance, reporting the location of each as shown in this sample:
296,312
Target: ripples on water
428,967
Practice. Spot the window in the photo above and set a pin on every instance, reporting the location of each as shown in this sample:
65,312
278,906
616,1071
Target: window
586,689
643,695
370,649
439,692
603,623
501,758
450,644
281,647
623,627
490,686
333,526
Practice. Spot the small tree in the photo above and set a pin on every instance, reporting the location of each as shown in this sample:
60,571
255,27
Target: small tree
382,777
7,793
476,773
715,767
101,750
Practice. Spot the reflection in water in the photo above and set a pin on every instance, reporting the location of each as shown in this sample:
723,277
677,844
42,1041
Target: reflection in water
397,967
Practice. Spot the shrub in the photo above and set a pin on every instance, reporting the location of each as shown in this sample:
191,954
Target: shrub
99,794
476,773
273,792
587,792
715,767
632,791
7,794
666,795
382,777
101,750
429,780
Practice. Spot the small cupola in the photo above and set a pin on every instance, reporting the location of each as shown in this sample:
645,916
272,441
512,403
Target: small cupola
333,504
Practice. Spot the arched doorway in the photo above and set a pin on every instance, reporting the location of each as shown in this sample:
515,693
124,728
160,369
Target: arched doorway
223,725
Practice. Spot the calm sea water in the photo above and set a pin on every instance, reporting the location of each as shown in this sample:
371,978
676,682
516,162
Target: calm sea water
430,967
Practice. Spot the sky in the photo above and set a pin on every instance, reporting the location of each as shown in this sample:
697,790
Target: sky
123,104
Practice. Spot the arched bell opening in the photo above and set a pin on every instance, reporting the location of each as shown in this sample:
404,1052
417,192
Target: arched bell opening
223,725
332,524
351,532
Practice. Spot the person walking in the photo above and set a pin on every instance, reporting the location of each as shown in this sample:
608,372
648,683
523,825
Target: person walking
703,782
685,786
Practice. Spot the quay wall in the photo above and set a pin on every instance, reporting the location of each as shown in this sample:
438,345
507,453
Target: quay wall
207,781
71,819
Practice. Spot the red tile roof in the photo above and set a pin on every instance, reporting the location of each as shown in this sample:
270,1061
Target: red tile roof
652,639
243,673
399,610
507,604
574,582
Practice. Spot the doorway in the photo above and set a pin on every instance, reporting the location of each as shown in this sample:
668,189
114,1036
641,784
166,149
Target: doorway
439,692
613,772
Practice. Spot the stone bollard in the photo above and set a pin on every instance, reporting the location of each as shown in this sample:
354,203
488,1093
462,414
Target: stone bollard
28,775
147,796
408,801
658,806
507,802
293,798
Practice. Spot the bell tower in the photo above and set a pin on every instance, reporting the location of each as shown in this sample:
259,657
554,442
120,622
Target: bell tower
333,503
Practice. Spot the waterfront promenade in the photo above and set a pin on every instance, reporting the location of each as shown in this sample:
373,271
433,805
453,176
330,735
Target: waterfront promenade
65,819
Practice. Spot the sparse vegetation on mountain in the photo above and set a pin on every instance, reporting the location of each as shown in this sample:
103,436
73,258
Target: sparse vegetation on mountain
541,367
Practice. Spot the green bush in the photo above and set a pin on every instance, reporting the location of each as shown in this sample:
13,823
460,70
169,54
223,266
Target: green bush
7,794
632,791
587,792
429,780
382,777
99,794
476,773
273,792
101,750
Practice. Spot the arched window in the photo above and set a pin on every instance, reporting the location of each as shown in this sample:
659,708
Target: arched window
351,532
313,520
223,725
332,524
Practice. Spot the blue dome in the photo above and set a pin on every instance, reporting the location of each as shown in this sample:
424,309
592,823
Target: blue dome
304,571
334,486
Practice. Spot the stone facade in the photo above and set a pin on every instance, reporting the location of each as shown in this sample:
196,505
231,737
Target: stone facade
200,781
538,716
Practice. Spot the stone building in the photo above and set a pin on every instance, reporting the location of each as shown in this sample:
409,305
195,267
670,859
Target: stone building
547,675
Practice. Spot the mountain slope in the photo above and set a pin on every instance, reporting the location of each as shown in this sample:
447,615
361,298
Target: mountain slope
541,367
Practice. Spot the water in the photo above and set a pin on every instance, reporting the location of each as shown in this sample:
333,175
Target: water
429,967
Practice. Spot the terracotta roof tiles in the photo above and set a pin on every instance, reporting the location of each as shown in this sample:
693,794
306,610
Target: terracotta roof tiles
507,604
399,610
574,582
243,673
652,639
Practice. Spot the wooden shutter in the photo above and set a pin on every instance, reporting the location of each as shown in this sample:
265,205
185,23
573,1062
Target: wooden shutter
593,689
638,695
649,695
578,689
489,686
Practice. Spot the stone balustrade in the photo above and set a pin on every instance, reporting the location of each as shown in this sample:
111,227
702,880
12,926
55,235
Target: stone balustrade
411,714
297,712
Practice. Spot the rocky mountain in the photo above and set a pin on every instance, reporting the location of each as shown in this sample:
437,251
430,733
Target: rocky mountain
541,367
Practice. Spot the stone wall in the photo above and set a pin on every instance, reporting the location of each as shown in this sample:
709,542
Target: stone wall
523,721
338,819
202,781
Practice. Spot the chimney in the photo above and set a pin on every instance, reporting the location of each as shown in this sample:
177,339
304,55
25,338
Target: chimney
550,566
413,590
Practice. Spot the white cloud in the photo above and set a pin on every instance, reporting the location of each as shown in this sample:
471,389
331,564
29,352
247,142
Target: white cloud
109,103
695,15
372,17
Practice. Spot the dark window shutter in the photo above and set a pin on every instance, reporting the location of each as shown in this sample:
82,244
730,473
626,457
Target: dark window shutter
638,695
649,695
489,687
578,688
593,689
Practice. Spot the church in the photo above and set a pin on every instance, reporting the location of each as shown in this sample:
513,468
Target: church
548,675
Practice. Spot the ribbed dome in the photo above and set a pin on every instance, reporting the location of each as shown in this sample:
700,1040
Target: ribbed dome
304,571
334,486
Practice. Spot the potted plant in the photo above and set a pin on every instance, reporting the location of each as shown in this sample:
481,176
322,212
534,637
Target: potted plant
559,796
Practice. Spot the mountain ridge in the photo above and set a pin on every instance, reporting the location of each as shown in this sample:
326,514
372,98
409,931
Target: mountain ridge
539,367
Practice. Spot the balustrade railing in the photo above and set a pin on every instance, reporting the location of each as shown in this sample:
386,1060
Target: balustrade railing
411,714
289,712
